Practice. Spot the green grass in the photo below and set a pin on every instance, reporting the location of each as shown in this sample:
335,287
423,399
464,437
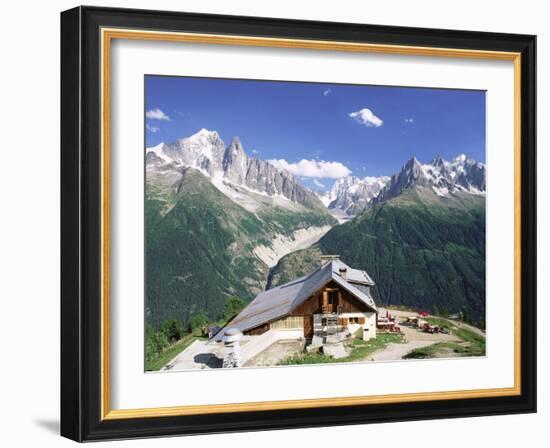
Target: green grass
359,352
432,350
473,343
476,342
170,352
444,323
469,336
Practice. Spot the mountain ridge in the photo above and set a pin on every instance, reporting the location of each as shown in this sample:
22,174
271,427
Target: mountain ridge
352,195
230,167
443,177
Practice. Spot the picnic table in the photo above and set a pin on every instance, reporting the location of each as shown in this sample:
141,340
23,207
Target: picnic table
391,327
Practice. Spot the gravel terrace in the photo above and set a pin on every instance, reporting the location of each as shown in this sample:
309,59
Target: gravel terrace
415,339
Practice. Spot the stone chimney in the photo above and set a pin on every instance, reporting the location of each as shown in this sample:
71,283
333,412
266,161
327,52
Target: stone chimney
344,273
326,258
232,357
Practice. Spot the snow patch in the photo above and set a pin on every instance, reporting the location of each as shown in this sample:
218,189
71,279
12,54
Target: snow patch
245,196
460,158
228,189
441,191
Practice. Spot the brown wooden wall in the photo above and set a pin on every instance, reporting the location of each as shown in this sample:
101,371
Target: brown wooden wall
258,330
348,302
310,306
313,305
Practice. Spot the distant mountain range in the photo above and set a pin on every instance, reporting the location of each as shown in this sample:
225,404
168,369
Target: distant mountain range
444,178
230,169
221,223
353,195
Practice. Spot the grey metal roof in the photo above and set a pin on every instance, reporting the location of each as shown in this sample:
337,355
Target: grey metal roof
352,275
281,300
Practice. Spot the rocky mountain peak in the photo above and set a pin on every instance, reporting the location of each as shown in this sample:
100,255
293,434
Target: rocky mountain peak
236,146
202,138
206,151
437,161
443,177
412,165
461,158
235,162
352,194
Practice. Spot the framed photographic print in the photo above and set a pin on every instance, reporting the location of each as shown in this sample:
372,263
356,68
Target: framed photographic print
276,224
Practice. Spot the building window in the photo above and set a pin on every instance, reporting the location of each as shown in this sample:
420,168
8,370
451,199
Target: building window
333,297
289,322
357,320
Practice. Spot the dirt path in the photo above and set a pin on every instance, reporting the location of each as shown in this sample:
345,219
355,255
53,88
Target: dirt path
413,339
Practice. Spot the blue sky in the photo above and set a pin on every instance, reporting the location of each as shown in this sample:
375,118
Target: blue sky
365,130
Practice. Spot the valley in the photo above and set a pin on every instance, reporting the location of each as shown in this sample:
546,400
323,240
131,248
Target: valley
220,223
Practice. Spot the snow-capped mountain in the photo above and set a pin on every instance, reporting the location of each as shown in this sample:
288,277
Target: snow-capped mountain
243,178
462,174
352,194
230,169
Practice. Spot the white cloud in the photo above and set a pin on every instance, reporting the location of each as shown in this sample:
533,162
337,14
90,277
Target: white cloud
367,118
152,128
255,151
313,168
156,114
318,184
409,120
327,92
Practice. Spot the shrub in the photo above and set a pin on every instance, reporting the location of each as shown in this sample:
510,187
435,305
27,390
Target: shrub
155,342
173,329
233,305
198,323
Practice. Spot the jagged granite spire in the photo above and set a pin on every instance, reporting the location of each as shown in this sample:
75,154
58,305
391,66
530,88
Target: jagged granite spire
443,177
230,165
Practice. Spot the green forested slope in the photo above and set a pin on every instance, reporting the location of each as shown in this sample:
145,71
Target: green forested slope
422,250
190,267
199,247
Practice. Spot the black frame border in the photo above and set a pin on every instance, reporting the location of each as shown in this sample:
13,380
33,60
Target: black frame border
81,224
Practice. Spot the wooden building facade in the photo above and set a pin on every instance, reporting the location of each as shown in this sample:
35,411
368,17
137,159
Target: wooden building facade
335,294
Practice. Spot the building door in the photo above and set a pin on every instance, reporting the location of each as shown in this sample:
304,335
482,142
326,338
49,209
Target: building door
308,326
332,301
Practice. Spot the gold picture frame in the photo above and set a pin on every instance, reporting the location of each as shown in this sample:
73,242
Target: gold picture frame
108,30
